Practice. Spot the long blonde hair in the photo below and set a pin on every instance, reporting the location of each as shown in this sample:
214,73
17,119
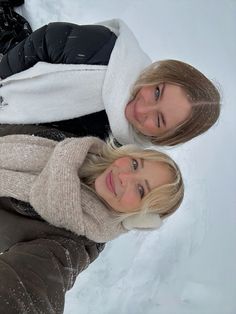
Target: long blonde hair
201,92
163,200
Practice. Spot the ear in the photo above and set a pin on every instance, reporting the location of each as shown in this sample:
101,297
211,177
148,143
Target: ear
142,221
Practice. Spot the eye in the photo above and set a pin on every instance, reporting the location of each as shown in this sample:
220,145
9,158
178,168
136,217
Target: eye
134,164
160,120
158,123
141,191
157,93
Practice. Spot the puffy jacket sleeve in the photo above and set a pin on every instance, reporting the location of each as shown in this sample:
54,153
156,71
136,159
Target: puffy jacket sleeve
35,275
60,42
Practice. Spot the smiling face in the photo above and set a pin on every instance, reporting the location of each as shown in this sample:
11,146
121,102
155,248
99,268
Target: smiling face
156,110
125,183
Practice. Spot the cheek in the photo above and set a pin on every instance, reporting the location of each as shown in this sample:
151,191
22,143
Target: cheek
129,201
99,185
150,127
172,114
121,162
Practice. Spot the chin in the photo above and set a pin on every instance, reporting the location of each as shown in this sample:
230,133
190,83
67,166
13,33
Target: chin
128,112
98,184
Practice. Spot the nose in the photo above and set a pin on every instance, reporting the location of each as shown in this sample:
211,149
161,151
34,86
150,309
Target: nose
125,178
144,111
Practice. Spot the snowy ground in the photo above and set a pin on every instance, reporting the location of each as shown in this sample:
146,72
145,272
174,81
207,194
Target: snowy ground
189,266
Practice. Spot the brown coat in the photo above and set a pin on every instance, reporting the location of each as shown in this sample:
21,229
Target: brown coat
38,262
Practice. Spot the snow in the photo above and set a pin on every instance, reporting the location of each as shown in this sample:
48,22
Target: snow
189,266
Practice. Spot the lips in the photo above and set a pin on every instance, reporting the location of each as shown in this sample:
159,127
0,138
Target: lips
134,112
129,111
110,182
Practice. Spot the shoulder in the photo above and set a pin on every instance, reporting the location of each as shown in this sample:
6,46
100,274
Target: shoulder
79,44
75,32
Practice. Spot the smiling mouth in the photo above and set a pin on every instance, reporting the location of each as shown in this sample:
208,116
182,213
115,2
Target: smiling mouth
131,116
110,183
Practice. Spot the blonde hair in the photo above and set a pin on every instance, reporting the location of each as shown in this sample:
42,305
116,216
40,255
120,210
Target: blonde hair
163,200
203,95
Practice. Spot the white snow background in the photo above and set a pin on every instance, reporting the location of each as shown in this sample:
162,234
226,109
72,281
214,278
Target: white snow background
189,266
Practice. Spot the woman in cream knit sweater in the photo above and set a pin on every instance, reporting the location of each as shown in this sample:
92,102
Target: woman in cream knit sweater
89,187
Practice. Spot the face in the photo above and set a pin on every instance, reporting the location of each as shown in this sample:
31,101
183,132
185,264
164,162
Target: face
158,109
128,180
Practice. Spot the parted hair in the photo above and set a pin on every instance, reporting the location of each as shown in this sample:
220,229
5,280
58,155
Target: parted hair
163,200
200,91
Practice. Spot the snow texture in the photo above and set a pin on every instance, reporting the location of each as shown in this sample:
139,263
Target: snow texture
189,266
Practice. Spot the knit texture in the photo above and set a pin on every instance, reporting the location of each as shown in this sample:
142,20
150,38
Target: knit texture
44,173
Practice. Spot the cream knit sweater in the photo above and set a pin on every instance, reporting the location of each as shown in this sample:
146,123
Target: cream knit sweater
44,173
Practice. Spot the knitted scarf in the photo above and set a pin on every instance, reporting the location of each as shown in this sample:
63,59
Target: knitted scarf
44,173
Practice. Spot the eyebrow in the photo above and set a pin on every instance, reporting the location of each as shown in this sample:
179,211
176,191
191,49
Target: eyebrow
148,186
162,93
146,182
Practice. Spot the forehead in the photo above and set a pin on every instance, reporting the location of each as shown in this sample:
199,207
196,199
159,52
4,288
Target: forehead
156,173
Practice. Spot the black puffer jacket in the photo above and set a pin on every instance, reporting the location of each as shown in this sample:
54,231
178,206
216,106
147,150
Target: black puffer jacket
69,44
13,27
38,262
60,43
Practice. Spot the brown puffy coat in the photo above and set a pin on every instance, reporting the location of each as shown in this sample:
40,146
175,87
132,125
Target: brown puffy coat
38,262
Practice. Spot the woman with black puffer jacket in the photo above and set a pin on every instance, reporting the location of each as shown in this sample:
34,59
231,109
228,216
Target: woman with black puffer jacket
96,79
